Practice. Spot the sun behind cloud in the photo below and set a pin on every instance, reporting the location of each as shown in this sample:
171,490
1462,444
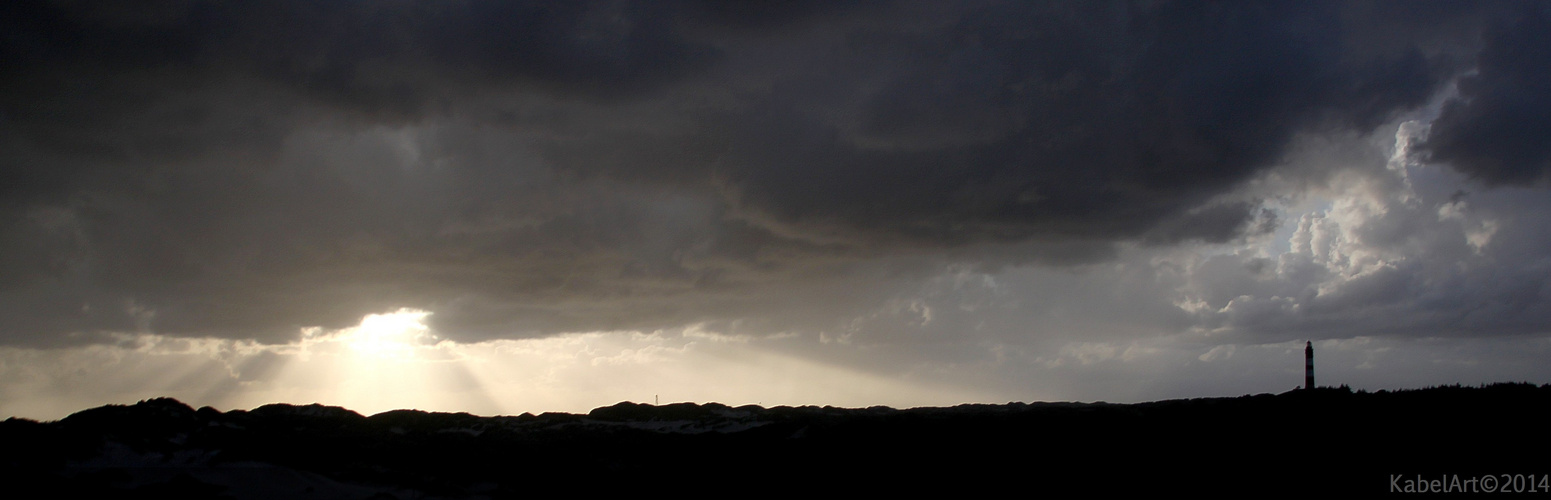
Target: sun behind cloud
389,361
393,335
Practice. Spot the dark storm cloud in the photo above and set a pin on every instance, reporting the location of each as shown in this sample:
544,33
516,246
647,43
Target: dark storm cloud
368,53
1497,130
77,69
245,169
1014,121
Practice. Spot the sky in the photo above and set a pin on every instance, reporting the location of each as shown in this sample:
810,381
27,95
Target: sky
501,207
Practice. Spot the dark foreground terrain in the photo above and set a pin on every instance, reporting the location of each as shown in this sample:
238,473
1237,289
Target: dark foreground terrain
1325,440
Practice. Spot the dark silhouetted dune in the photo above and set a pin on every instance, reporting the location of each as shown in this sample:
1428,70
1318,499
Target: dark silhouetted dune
1324,440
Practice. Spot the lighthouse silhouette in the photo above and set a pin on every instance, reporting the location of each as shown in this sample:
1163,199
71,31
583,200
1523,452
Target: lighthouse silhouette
1308,365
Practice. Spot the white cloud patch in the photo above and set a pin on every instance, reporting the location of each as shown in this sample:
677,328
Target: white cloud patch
1218,352
1408,249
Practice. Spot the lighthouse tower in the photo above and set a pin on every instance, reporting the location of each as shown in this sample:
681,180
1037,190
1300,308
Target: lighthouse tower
1308,365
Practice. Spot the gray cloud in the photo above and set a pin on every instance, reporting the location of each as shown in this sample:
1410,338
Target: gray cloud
1402,251
1496,130
244,170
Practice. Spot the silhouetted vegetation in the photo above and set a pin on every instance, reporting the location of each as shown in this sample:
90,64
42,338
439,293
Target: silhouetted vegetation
1327,439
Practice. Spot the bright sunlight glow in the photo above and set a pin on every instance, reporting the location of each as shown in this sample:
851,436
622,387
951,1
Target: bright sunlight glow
391,335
